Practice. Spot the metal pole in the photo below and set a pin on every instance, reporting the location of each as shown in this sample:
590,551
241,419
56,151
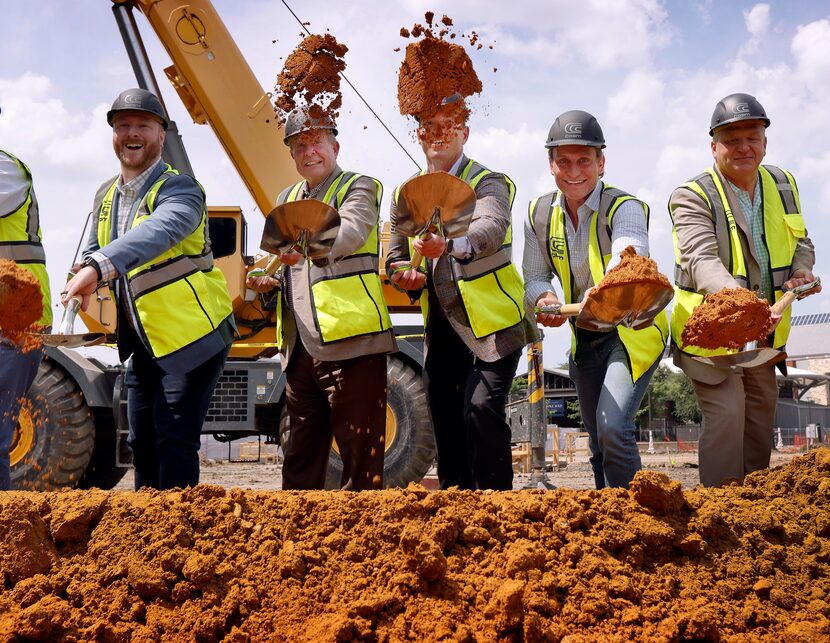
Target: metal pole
537,415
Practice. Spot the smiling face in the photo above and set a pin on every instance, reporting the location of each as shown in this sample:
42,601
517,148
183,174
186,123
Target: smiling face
137,138
576,169
738,150
442,137
315,155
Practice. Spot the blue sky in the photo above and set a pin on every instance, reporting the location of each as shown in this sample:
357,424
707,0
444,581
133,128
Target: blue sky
650,71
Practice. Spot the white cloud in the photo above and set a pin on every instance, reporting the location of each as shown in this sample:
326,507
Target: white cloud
633,104
757,20
811,49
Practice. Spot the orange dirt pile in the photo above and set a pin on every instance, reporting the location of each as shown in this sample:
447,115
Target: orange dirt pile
311,76
748,563
21,302
434,69
633,269
728,318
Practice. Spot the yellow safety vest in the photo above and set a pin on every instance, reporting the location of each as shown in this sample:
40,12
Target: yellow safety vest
179,297
783,227
490,288
643,347
346,295
22,242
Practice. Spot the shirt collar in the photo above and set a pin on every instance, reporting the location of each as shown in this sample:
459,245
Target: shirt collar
314,193
136,183
591,204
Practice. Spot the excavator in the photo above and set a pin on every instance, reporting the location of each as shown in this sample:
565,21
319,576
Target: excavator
73,427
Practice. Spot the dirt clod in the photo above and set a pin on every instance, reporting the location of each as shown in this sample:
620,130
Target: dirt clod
744,562
728,318
633,269
21,302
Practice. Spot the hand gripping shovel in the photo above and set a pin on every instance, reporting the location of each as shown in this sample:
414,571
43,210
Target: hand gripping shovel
752,357
634,305
67,337
309,226
439,203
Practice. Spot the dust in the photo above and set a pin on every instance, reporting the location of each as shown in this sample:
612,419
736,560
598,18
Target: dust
434,70
728,318
311,76
745,562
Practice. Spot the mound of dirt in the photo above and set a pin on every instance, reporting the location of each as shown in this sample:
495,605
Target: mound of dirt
746,563
434,69
311,76
728,318
633,269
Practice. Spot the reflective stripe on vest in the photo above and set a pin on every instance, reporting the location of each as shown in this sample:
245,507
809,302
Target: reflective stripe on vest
490,287
346,295
21,240
179,297
643,347
783,227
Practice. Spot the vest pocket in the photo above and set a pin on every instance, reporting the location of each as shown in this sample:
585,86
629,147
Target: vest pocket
493,301
350,306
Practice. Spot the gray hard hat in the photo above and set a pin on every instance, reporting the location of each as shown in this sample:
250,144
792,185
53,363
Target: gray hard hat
575,128
138,100
737,107
299,121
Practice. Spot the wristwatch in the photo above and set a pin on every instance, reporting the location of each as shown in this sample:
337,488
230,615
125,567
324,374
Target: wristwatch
89,261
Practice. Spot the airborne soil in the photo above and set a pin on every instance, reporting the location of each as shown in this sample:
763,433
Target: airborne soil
745,563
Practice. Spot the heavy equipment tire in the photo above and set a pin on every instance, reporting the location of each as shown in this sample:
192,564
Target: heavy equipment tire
55,433
410,443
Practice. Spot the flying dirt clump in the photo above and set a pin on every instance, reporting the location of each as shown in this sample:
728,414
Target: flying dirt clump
728,318
311,76
21,302
434,69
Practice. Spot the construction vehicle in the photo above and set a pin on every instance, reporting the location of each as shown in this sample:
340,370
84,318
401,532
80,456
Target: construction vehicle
73,428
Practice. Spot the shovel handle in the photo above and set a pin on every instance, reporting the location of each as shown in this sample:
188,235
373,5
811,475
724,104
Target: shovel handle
272,266
781,305
416,260
566,310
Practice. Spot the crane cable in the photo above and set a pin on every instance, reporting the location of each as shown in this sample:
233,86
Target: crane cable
343,76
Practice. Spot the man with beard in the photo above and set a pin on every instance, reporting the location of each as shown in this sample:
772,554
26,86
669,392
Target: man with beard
149,241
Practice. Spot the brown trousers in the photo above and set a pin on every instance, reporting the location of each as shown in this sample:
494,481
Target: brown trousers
738,414
345,399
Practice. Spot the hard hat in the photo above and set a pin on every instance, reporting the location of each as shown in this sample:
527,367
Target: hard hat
138,100
737,107
299,120
575,128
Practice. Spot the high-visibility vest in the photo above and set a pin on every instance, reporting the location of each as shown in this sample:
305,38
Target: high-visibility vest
547,218
22,242
490,288
783,227
346,295
179,297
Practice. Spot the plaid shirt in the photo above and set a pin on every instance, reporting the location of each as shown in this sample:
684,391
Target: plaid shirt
753,210
127,195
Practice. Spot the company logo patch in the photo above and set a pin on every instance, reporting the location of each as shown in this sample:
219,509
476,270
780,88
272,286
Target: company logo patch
741,108
132,99
573,128
556,247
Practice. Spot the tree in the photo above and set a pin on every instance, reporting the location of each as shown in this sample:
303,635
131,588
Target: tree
518,384
671,395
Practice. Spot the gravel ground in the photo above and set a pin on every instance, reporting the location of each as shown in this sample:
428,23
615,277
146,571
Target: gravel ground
574,475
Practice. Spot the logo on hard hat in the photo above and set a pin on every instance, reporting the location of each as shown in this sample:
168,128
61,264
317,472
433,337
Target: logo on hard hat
741,108
573,128
133,99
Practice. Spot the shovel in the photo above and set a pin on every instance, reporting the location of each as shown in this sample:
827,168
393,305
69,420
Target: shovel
439,203
66,337
633,305
751,356
309,226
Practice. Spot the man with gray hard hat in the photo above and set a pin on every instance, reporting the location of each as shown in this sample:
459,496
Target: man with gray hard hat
149,241
333,326
576,234
738,224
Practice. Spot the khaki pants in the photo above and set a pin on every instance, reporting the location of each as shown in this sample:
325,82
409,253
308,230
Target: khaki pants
738,414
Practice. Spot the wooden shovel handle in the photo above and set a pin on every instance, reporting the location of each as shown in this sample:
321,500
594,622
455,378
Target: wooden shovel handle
566,310
273,265
415,262
781,305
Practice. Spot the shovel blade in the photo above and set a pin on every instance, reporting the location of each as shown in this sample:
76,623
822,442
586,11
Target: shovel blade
421,196
288,223
74,341
634,305
744,359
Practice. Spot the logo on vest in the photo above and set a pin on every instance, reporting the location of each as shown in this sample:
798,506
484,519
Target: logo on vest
104,212
741,108
557,247
573,128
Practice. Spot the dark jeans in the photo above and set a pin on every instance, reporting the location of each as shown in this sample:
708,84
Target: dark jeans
166,413
345,399
466,401
17,372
